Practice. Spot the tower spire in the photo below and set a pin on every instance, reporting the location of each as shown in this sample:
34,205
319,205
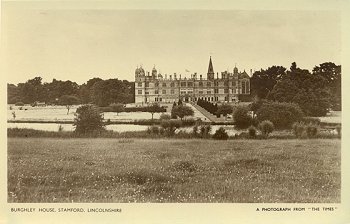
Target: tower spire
210,74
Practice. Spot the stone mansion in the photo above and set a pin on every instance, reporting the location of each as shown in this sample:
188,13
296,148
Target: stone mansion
150,88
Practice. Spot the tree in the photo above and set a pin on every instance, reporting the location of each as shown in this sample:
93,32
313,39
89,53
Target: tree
117,107
182,111
154,108
12,94
332,74
311,92
224,109
263,81
68,101
282,115
88,119
241,117
105,92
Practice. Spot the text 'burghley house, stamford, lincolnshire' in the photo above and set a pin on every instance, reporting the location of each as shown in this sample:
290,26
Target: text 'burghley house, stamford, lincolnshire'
150,88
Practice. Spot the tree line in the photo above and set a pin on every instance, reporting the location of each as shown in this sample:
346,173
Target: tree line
97,91
315,92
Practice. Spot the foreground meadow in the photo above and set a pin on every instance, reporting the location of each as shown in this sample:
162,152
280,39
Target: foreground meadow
171,170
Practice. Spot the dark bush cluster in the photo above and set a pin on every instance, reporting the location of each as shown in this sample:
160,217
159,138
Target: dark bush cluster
220,134
266,127
202,131
210,107
303,130
241,117
282,115
164,117
311,120
338,128
170,126
252,131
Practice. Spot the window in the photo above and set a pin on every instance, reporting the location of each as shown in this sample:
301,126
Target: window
156,99
156,91
226,83
163,91
183,84
243,87
139,84
146,92
139,92
156,84
225,90
200,84
208,92
164,84
216,91
189,84
216,83
208,84
172,84
201,92
146,84
172,91
233,83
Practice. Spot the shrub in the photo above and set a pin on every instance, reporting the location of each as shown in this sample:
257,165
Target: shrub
266,127
195,131
224,109
220,134
170,126
153,130
311,130
188,122
338,128
298,129
252,131
182,111
117,107
282,115
208,106
205,131
302,130
311,120
19,104
241,117
88,120
164,117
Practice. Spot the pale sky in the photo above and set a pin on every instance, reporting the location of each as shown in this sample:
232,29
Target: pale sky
81,44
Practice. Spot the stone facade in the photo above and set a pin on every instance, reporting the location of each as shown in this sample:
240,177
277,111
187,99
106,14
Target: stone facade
153,87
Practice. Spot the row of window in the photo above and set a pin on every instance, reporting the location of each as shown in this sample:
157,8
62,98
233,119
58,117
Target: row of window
190,84
245,90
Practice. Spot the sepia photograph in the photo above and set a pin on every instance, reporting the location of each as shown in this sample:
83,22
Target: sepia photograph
187,106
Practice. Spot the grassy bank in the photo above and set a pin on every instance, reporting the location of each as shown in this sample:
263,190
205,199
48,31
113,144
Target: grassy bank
172,170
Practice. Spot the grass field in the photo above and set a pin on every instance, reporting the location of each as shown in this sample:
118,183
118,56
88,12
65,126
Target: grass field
170,170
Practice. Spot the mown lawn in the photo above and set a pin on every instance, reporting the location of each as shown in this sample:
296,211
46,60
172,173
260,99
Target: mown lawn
169,170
